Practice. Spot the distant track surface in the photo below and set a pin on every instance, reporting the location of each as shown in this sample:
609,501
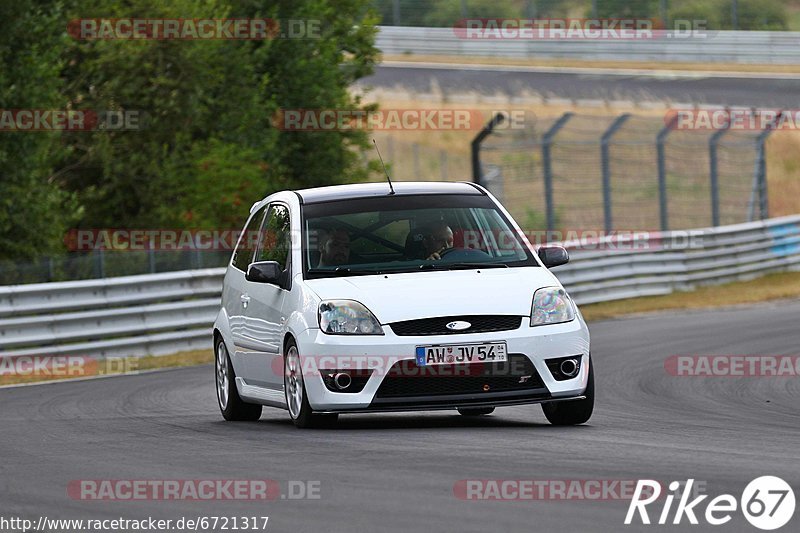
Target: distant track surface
396,472
689,87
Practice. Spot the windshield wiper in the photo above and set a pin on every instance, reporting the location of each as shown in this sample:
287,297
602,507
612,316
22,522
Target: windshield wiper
343,271
460,266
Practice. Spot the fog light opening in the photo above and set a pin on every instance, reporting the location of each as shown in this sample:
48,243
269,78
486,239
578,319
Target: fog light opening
342,380
569,367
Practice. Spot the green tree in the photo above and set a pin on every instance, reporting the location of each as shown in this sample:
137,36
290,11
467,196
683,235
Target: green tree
34,212
316,73
449,12
207,147
627,8
752,14
202,108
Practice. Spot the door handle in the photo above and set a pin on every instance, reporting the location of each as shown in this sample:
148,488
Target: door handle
245,300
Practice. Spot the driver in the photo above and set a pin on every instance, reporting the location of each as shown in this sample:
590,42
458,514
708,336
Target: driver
438,238
334,247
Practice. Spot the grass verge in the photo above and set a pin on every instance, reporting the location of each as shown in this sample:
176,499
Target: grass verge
77,367
580,63
770,287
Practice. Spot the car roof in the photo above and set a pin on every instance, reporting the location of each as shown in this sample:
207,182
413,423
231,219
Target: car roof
402,188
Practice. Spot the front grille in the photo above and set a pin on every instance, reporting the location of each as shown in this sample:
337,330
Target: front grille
405,379
438,325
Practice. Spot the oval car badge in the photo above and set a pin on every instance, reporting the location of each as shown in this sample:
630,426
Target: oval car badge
458,325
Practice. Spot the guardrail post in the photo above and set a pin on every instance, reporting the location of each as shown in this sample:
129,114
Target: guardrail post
476,146
713,144
99,263
661,139
606,167
547,167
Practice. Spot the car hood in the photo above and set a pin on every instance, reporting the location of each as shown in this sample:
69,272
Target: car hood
407,296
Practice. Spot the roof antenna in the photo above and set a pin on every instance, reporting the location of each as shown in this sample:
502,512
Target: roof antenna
391,188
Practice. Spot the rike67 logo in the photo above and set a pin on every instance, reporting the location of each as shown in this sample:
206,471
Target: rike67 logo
767,502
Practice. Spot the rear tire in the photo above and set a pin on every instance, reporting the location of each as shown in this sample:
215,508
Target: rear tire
231,406
475,411
296,397
573,412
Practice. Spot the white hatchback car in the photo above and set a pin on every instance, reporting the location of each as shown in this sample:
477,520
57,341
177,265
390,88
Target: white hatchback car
361,299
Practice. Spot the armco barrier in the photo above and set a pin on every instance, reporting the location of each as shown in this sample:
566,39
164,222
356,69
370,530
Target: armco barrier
763,47
165,313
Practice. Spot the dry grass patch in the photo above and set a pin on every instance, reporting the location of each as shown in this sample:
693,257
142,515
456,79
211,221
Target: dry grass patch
770,287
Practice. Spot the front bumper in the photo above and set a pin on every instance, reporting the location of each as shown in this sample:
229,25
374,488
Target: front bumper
380,352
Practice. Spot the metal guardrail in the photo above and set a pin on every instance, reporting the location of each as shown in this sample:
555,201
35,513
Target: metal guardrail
765,47
151,314
166,313
680,260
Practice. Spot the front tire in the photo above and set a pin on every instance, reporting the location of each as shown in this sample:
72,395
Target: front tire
573,412
295,389
230,403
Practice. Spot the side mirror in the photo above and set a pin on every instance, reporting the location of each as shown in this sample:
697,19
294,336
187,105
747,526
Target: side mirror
264,272
553,256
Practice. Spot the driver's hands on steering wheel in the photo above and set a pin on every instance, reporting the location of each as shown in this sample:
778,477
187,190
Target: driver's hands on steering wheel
435,256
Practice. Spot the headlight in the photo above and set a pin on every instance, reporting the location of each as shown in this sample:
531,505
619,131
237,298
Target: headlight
347,317
551,305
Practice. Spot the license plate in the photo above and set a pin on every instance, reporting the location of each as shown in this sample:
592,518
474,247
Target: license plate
450,354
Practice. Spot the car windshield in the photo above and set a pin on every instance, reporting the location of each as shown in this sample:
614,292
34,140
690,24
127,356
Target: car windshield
410,233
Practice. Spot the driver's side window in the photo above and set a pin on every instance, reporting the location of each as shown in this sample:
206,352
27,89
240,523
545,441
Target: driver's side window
275,238
244,249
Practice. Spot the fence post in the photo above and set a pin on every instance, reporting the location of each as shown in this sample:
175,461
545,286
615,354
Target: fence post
661,138
415,156
476,145
713,143
606,168
760,179
547,166
395,12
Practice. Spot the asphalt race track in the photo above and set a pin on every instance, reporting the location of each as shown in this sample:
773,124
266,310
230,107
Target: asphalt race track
680,87
396,472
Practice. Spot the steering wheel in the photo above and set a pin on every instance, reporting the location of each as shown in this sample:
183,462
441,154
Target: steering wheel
464,254
447,251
